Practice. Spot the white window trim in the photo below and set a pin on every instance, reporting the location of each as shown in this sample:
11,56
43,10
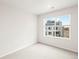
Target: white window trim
54,37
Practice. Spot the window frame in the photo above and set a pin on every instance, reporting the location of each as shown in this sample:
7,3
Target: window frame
48,36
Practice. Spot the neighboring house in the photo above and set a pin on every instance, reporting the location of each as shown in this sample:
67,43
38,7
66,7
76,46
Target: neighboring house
66,31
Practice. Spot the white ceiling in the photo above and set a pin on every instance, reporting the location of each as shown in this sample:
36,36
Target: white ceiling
39,6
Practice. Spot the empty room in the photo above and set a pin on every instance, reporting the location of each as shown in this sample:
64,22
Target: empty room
38,29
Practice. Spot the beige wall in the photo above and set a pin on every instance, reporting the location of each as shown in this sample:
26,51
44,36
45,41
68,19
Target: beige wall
70,44
17,30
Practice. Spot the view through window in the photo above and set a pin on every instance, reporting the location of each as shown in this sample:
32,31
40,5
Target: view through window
57,26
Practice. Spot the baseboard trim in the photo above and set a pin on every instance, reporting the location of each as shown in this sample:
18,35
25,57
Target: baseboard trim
11,52
59,47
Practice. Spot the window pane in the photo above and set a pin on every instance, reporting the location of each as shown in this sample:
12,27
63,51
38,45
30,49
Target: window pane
58,34
49,33
49,28
56,28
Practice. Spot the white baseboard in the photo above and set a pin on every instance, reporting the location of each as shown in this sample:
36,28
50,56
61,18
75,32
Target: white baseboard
11,52
58,47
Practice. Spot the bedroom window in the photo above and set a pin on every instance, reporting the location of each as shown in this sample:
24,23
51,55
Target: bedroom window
57,26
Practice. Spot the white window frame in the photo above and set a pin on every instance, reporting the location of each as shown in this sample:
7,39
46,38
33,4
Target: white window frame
70,30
